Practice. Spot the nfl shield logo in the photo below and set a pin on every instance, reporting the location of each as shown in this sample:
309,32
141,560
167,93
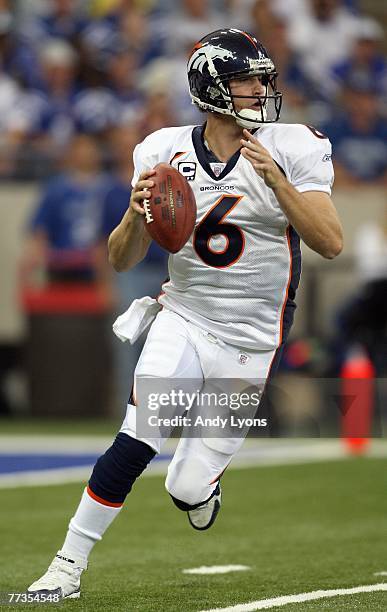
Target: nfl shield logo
217,169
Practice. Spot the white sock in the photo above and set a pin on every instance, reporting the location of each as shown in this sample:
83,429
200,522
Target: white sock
87,526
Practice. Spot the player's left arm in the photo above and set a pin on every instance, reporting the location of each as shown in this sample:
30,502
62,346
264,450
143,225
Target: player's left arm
312,213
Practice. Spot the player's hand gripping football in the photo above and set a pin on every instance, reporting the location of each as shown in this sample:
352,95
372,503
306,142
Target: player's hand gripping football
140,191
261,160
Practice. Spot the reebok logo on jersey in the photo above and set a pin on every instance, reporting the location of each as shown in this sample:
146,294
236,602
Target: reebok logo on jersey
243,358
218,188
327,157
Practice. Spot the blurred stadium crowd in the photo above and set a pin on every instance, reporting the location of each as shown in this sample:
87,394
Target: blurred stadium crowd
83,81
92,66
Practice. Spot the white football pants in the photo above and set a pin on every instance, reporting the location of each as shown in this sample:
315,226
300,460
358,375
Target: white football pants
177,349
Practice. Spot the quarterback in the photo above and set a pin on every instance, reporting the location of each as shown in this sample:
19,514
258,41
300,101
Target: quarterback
228,304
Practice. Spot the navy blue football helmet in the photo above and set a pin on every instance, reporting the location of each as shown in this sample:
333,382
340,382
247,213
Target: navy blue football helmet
228,54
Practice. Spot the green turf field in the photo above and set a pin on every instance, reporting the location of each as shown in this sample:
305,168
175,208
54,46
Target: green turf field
299,528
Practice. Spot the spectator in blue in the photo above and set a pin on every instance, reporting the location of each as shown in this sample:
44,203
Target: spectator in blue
110,91
17,58
136,25
50,122
122,70
359,137
95,108
96,111
63,19
366,62
322,38
65,231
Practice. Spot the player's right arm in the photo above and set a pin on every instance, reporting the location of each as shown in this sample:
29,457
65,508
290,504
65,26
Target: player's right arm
129,241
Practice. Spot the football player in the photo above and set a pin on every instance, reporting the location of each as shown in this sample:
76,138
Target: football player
228,305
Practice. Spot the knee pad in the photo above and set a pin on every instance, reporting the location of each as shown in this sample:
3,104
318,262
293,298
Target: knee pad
115,471
187,483
185,507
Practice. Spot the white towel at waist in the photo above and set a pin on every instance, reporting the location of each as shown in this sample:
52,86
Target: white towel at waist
140,314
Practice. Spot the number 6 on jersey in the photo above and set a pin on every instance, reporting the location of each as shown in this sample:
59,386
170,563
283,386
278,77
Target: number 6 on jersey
212,225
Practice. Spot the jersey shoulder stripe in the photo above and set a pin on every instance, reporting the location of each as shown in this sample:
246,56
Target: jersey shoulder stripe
160,146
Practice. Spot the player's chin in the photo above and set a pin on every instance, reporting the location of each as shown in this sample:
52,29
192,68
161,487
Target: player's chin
243,108
254,107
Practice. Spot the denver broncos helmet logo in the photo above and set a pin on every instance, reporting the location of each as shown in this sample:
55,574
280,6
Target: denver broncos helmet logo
199,57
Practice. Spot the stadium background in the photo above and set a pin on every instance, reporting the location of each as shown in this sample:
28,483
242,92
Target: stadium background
80,84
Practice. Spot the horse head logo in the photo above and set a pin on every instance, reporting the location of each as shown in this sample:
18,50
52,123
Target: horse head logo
200,57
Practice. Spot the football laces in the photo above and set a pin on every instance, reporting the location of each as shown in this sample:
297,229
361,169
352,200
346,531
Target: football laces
148,214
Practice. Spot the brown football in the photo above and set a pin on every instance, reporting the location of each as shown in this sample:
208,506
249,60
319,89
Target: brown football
170,214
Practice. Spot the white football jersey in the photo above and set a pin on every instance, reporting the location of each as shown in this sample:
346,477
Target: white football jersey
237,275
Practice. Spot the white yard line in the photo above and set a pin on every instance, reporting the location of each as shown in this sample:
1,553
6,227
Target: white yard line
216,569
275,602
380,573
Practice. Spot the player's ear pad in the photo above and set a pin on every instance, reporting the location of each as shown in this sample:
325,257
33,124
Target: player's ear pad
115,471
